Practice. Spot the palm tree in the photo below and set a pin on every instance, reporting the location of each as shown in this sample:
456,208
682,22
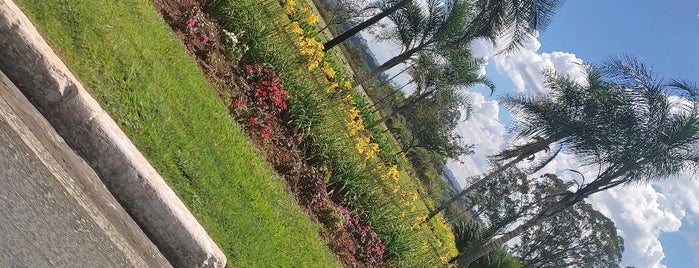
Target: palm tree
573,116
513,21
419,28
356,29
657,140
452,25
432,75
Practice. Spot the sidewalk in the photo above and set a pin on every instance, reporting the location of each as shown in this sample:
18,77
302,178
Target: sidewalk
55,210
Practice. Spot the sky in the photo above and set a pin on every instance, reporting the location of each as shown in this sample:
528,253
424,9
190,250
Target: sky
659,222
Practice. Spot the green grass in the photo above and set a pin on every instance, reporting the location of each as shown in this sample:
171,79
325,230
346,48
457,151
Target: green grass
133,65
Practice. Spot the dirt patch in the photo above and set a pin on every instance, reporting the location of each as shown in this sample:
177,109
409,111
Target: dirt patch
256,100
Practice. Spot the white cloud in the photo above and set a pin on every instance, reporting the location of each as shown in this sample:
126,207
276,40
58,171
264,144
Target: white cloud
526,66
641,214
483,129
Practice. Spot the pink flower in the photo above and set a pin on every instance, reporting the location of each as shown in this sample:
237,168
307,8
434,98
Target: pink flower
205,38
253,120
248,69
239,103
191,22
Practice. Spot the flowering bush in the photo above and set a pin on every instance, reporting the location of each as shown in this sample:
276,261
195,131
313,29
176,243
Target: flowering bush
267,98
371,249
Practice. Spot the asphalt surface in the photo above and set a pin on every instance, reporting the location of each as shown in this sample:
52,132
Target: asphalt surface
54,210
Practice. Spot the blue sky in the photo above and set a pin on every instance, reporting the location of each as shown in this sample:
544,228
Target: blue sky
662,33
665,34
659,222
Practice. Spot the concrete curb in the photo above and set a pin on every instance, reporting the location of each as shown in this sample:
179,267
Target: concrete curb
43,78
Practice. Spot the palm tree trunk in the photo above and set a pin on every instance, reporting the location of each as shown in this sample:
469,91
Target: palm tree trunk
406,84
389,64
553,210
383,119
382,100
387,96
531,150
466,259
323,29
475,185
356,29
399,73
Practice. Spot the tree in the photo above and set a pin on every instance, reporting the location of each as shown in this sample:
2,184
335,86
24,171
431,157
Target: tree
433,76
512,21
356,29
577,117
577,237
432,124
453,24
345,11
658,140
424,29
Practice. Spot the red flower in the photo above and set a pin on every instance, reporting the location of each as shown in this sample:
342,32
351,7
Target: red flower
345,243
191,22
239,103
277,100
253,120
266,132
248,69
284,106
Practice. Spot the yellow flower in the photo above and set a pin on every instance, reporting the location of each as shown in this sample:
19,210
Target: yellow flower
371,151
361,145
353,113
290,6
312,19
347,85
350,100
296,28
331,87
329,71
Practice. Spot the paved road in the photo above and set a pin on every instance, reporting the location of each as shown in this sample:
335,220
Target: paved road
54,210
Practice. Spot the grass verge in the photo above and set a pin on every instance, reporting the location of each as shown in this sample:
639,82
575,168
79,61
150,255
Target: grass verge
132,64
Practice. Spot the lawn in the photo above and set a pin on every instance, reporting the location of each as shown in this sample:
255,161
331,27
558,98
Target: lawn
130,61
